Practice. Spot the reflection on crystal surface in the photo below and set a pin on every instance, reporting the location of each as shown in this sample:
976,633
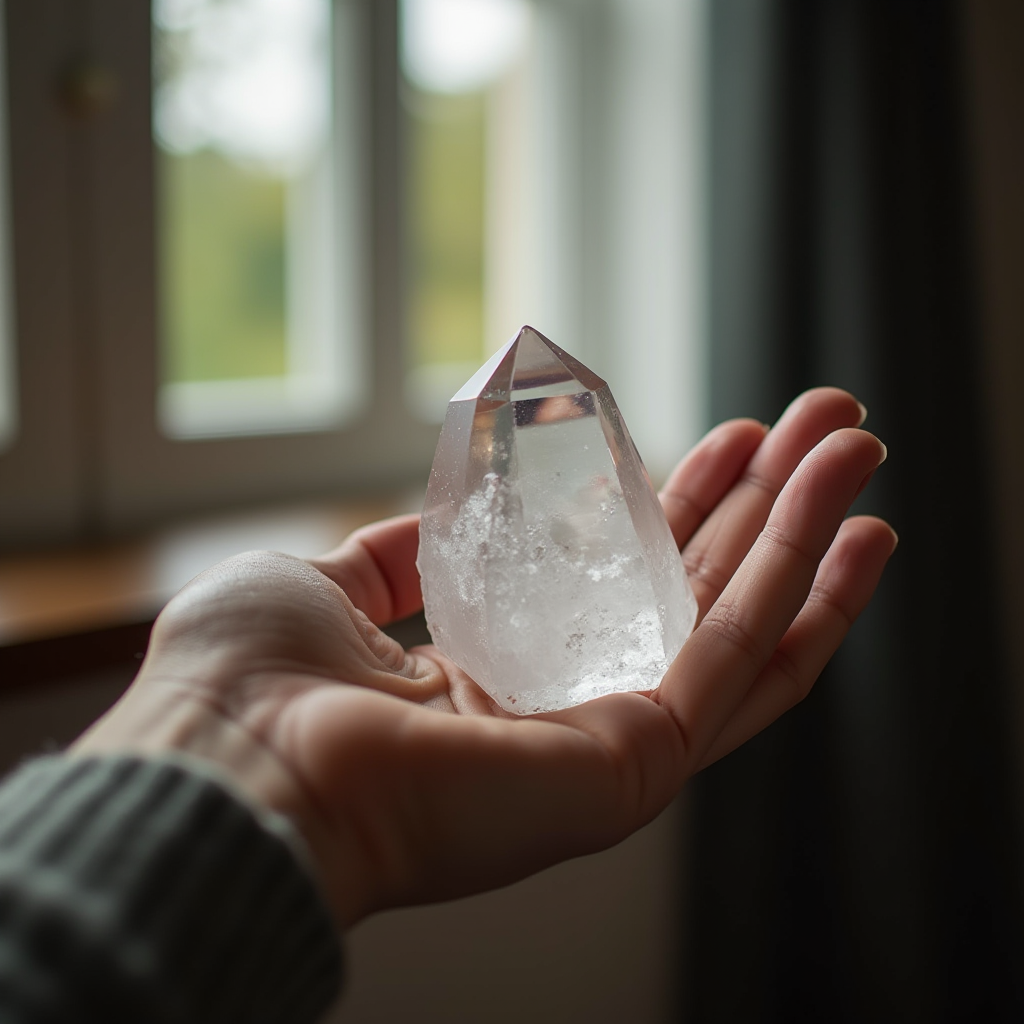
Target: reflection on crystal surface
549,572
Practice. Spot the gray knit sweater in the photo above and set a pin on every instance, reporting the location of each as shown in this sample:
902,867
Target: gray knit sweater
142,890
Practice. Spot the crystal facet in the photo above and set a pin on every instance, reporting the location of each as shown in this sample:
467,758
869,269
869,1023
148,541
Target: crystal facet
549,571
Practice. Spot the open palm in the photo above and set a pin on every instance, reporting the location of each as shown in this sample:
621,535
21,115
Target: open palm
407,782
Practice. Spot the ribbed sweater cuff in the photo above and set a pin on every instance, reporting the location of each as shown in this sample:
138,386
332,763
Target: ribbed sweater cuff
134,889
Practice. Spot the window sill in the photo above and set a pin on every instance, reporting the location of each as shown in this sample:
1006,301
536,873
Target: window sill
69,611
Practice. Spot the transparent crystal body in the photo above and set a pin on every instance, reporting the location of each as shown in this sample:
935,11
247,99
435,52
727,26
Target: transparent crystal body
549,572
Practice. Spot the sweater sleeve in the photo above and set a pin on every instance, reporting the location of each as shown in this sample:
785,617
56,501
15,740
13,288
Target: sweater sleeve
141,890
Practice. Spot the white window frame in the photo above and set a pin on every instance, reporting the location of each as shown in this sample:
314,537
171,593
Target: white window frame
89,459
149,475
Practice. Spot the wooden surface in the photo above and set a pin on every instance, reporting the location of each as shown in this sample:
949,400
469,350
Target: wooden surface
84,590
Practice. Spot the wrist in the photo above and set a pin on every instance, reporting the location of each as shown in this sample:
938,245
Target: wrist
173,722
169,719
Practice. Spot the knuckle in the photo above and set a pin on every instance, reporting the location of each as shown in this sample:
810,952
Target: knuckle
825,598
777,537
688,505
795,682
723,621
755,480
701,566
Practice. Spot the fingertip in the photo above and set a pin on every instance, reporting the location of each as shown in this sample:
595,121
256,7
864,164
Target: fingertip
826,415
827,401
734,432
883,454
846,438
867,541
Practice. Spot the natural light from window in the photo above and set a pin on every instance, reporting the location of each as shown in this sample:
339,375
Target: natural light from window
464,63
258,303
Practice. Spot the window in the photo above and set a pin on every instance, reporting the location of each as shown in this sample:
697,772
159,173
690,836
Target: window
464,65
260,242
255,185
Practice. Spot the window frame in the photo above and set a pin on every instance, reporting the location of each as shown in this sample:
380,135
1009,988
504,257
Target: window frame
88,459
42,469
147,475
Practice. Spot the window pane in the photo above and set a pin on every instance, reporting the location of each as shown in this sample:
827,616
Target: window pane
250,251
461,60
8,401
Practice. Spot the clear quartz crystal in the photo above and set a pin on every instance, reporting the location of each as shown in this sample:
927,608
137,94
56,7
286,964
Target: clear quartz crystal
549,571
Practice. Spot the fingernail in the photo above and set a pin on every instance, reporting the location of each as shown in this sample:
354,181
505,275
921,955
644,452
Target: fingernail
864,483
863,413
885,453
895,539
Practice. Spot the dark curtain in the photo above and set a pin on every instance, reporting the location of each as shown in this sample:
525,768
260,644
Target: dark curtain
860,860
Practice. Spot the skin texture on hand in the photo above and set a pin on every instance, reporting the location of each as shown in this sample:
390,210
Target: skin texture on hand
407,782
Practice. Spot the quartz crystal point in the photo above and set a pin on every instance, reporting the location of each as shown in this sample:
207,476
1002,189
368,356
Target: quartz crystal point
549,571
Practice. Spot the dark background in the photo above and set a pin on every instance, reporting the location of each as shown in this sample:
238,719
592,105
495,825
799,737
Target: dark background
862,859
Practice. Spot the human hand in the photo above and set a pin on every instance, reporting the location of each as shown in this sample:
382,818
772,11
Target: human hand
406,781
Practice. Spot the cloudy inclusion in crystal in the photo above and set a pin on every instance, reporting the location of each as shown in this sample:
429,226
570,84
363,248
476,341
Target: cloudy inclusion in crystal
549,572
